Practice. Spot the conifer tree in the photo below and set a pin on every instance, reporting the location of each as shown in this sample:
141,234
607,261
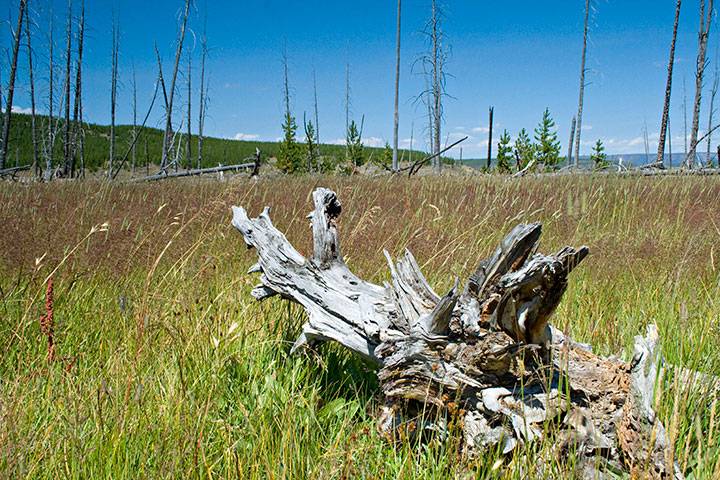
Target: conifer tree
598,156
548,147
524,150
386,157
504,153
288,159
311,139
354,146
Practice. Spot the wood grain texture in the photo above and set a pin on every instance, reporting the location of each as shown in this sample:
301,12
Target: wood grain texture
484,357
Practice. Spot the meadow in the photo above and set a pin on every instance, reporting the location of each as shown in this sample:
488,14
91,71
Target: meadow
165,367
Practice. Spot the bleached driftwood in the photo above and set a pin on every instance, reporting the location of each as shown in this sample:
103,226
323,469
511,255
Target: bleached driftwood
188,173
483,357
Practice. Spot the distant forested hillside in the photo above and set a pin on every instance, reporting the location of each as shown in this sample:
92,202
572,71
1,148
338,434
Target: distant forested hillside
216,151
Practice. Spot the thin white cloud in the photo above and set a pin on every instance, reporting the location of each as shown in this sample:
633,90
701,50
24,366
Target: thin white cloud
373,142
458,136
246,136
18,109
585,128
368,142
480,130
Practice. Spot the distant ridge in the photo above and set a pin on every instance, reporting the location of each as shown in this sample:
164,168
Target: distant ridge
216,151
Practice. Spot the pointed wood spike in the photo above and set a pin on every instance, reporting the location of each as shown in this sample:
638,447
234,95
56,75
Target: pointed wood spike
436,322
512,253
261,292
265,215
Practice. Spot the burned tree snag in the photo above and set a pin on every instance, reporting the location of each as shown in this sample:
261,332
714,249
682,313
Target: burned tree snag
483,356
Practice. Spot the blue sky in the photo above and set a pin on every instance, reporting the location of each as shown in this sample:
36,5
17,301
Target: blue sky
519,59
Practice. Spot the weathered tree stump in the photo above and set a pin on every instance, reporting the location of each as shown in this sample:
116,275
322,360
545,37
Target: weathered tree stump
483,358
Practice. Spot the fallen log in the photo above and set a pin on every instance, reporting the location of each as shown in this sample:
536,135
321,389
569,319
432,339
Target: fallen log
14,170
188,173
482,358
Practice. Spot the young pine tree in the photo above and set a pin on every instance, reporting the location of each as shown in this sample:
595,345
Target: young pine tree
311,139
354,146
548,146
504,153
289,154
386,157
524,150
598,156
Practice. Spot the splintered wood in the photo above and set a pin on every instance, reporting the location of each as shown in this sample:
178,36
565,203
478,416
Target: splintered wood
483,357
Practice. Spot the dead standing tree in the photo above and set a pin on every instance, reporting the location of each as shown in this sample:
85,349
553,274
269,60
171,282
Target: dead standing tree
490,125
134,127
315,104
67,87
50,141
482,358
11,86
703,35
711,112
668,89
170,96
582,85
28,34
189,110
396,118
113,91
434,67
77,114
570,143
203,94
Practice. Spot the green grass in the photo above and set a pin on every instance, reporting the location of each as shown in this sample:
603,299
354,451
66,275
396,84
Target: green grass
177,373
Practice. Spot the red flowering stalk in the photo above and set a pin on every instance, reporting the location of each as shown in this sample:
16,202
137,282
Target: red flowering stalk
47,322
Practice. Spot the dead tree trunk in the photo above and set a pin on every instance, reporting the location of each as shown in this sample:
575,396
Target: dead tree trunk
489,157
438,61
711,112
82,142
49,154
11,86
482,357
78,92
161,82
317,115
397,93
113,92
168,113
701,64
570,143
189,112
684,106
347,104
203,96
582,86
67,86
668,89
36,160
134,129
